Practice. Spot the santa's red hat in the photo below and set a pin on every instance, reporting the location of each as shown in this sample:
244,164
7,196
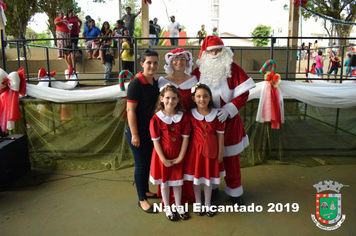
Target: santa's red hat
211,42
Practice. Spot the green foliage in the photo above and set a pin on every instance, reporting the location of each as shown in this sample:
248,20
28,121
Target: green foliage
163,30
15,9
31,34
134,4
338,9
261,31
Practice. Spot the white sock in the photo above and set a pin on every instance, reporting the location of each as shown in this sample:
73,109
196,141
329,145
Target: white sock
177,190
207,192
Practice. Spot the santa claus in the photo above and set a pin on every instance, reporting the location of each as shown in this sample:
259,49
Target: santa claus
230,87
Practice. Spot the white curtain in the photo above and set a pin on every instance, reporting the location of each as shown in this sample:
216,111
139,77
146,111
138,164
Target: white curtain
316,94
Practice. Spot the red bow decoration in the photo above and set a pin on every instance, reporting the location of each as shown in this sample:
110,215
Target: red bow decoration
9,100
6,83
44,73
3,6
272,78
147,1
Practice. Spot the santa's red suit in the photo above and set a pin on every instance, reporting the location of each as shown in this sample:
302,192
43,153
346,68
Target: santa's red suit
231,95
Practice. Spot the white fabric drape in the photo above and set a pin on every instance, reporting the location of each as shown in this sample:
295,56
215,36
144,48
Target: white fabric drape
59,95
70,84
331,95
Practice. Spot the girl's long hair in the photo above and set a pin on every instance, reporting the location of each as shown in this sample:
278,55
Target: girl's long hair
103,30
206,88
160,105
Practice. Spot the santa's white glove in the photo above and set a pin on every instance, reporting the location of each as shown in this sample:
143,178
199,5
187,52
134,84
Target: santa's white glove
223,114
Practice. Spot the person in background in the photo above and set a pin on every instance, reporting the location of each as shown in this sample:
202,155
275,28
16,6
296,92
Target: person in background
302,53
127,55
92,45
346,64
201,34
68,55
158,29
152,33
335,49
75,24
352,64
215,32
120,30
62,31
86,23
319,60
104,32
316,46
334,63
107,58
129,19
174,29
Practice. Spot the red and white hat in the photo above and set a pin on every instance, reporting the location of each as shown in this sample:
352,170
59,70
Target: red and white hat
211,42
177,52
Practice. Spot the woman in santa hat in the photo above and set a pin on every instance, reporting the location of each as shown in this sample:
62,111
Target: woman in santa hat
178,67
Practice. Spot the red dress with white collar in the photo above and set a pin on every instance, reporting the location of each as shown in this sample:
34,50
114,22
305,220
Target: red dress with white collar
200,168
170,132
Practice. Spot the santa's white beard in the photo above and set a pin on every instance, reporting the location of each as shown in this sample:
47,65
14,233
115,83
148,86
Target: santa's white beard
215,69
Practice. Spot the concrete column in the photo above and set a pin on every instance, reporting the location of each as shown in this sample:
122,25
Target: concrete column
145,24
293,23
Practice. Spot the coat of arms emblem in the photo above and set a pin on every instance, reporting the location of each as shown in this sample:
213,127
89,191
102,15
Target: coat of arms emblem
328,206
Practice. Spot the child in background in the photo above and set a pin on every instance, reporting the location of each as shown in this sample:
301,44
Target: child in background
169,130
107,58
203,163
347,62
127,55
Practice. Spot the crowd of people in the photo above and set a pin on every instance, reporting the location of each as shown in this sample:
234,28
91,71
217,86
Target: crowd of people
184,129
333,56
97,45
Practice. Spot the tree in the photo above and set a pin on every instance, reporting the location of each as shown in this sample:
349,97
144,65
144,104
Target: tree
15,9
51,7
344,10
31,34
261,31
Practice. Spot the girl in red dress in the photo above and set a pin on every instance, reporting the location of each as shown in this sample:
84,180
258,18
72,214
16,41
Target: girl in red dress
203,163
169,129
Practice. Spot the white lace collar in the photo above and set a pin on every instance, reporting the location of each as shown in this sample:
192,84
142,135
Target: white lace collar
167,119
208,118
188,84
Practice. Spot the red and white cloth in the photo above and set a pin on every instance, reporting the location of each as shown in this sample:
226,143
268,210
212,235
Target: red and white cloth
199,168
170,132
232,95
11,86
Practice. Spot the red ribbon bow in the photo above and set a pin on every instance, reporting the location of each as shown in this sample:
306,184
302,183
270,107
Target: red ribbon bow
9,100
5,82
272,78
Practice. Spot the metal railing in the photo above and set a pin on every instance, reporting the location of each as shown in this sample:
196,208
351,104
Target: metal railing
25,44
